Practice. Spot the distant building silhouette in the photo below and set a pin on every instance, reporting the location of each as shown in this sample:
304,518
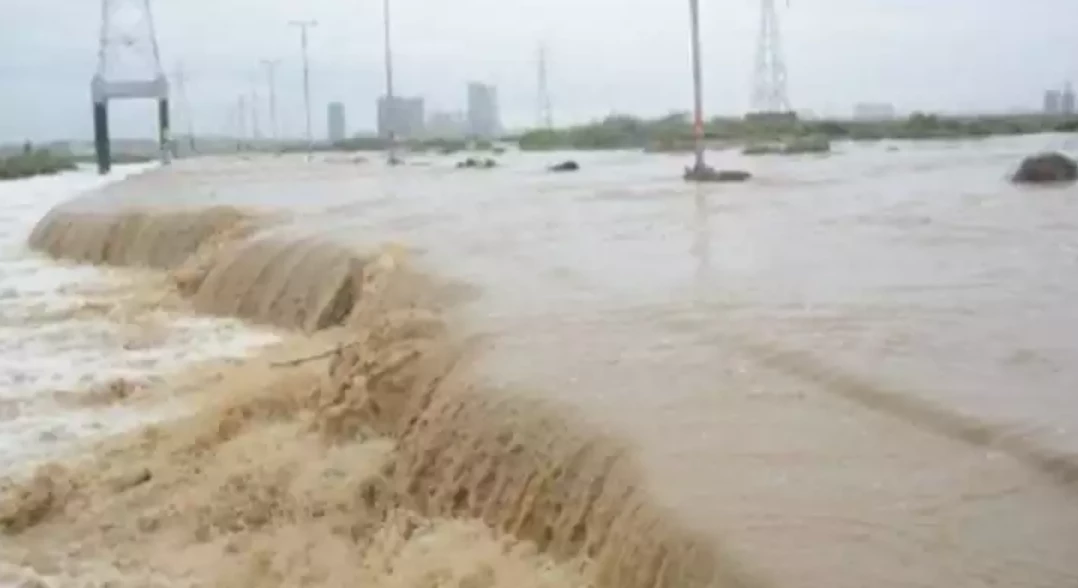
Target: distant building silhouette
404,116
335,122
1066,101
447,125
874,111
1052,102
483,119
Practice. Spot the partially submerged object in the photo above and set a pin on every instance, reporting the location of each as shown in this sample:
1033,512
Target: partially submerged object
810,144
473,163
793,146
565,166
708,174
1046,168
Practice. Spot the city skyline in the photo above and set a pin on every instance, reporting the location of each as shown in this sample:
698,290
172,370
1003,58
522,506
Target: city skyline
877,51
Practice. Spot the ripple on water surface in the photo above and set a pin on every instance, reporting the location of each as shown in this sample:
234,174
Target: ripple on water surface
785,352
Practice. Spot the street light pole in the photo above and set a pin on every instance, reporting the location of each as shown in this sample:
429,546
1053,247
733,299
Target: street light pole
697,86
256,122
391,102
271,80
304,26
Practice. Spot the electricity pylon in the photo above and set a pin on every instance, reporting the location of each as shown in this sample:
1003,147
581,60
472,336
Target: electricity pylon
769,83
128,67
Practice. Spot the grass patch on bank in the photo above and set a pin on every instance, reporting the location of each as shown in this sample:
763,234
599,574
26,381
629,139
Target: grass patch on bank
34,162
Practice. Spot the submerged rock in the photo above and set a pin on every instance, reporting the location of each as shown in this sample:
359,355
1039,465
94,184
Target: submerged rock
1046,168
708,174
473,163
565,166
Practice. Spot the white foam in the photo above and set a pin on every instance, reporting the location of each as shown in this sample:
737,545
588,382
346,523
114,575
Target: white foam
42,356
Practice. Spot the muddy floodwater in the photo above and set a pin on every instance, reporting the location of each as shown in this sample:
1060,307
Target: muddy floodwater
858,369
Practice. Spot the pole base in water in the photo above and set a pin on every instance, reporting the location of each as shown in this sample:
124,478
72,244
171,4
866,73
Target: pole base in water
707,174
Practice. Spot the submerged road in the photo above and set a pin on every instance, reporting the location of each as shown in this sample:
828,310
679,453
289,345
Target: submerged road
857,370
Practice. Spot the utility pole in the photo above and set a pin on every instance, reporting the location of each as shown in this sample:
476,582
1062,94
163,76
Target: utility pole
185,105
545,117
698,90
241,120
270,66
256,127
304,26
391,102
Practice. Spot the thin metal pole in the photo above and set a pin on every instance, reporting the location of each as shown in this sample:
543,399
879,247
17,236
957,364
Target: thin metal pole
241,121
271,81
185,104
697,84
546,116
391,103
303,28
256,122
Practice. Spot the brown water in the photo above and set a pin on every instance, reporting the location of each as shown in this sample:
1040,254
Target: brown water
854,371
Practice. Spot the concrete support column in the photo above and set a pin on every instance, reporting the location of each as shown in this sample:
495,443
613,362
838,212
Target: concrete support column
164,130
102,145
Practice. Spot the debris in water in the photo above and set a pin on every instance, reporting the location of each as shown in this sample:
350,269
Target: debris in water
1045,168
565,166
473,163
707,174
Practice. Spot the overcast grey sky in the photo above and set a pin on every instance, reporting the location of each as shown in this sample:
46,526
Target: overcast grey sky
605,55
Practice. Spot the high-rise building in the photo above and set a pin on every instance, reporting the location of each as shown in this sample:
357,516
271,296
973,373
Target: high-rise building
1052,104
403,116
335,122
1066,101
483,119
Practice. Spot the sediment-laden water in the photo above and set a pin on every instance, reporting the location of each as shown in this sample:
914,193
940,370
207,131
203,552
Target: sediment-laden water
855,370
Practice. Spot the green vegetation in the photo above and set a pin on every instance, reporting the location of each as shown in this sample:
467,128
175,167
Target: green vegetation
780,134
33,162
791,146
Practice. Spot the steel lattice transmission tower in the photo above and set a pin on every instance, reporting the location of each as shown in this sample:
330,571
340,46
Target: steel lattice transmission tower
128,67
769,83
